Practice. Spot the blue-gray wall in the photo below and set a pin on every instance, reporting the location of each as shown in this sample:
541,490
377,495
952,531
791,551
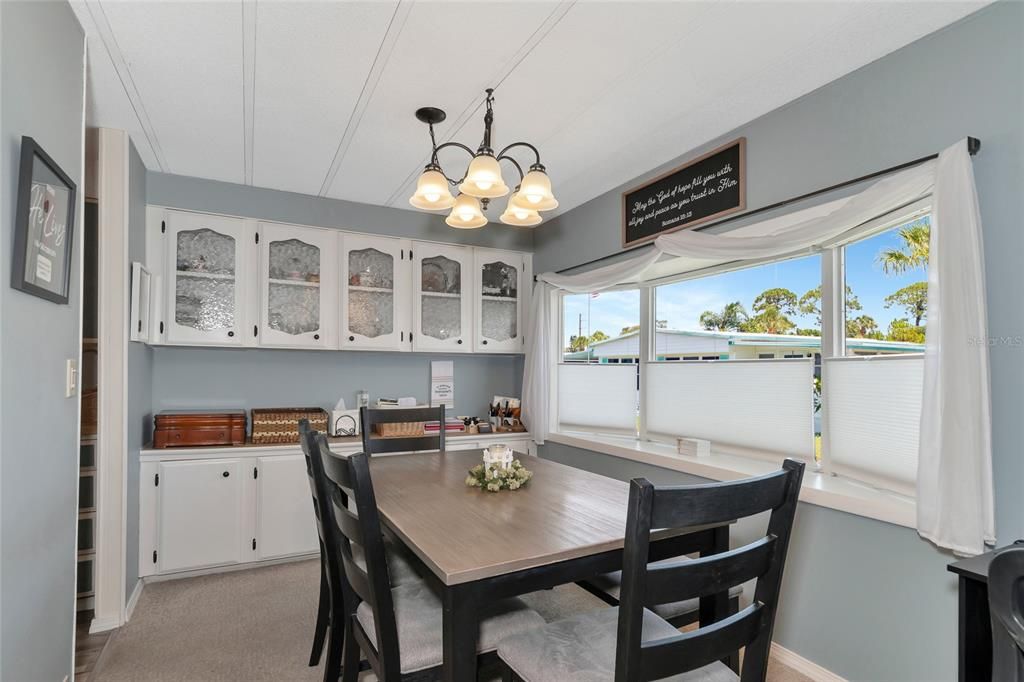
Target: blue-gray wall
140,374
865,599
41,63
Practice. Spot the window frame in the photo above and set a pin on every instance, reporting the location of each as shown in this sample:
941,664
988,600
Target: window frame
833,314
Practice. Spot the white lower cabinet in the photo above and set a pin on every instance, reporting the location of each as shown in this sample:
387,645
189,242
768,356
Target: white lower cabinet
200,514
284,508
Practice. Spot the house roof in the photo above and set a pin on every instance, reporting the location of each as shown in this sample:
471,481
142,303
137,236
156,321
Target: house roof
790,340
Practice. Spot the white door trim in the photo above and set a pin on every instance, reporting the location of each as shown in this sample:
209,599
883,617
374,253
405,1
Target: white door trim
112,372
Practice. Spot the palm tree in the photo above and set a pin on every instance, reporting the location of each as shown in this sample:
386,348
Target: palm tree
730,319
914,251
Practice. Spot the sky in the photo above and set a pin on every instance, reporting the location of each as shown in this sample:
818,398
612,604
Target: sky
682,303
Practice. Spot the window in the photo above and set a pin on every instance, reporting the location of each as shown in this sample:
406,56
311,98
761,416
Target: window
598,377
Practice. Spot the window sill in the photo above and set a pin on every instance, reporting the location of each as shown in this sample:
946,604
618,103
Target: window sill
820,489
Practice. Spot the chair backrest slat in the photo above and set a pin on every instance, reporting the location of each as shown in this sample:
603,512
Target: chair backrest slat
709,503
689,578
671,507
374,444
696,648
350,476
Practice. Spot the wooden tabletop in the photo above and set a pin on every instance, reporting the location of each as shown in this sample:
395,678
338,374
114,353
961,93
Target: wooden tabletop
464,534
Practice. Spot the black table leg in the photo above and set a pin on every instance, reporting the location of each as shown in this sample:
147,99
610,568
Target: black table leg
461,630
715,607
975,632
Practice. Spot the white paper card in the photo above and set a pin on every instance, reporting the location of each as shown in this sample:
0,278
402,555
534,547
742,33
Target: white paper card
442,383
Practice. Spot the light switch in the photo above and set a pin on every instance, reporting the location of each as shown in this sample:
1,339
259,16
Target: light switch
72,378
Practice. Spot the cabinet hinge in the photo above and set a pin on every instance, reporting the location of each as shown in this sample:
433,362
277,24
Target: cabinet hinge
161,327
154,556
254,544
140,326
257,237
401,254
255,330
255,472
156,479
163,226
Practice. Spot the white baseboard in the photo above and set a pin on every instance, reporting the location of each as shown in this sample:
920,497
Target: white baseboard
161,577
129,607
103,624
802,665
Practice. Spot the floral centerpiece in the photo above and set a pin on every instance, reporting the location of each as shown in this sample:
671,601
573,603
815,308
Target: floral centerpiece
495,478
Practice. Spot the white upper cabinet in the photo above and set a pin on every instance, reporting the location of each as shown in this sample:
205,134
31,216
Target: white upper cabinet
442,297
375,283
297,286
207,276
500,292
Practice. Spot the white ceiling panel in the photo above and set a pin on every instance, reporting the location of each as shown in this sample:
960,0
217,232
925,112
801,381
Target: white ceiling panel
318,97
186,60
305,51
447,55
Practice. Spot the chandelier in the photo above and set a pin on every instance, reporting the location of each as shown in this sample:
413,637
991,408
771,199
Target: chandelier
482,181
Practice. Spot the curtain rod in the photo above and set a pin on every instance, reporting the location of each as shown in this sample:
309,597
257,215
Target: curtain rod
973,145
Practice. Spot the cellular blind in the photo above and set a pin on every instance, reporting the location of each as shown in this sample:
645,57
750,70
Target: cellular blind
765,405
873,420
597,397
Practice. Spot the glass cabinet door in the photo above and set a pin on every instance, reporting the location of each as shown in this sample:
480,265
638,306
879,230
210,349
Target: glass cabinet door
292,263
499,318
376,275
207,276
443,306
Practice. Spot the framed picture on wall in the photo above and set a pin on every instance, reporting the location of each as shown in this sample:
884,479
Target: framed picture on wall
43,226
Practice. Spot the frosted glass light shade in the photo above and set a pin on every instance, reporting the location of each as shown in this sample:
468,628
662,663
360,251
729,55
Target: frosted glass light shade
432,193
483,178
519,215
535,192
466,213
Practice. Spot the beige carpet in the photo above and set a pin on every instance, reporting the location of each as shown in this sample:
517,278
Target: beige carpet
256,625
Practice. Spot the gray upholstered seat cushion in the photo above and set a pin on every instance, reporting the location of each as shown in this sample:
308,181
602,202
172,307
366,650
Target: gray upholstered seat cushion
611,584
419,617
582,649
399,565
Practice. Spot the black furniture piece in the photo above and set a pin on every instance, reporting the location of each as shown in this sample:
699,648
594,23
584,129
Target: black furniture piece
331,577
974,639
1006,602
373,444
398,629
630,643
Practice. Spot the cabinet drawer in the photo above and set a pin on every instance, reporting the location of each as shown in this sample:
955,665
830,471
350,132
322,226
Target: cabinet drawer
170,437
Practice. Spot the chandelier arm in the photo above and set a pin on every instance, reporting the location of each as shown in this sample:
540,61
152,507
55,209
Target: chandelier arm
516,164
437,163
522,144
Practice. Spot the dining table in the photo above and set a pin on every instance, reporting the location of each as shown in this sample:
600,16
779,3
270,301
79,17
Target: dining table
566,525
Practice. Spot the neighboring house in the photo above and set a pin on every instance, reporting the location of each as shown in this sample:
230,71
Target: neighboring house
672,344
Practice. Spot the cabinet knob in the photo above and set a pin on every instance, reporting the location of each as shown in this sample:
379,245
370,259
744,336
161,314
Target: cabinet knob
226,474
351,338
231,333
316,337
459,342
484,342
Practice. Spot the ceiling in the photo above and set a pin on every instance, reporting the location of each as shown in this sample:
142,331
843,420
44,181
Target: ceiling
318,97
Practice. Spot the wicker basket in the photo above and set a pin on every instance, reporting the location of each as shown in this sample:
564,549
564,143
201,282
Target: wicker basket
399,429
281,424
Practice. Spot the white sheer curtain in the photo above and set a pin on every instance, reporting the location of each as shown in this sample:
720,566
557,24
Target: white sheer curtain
954,486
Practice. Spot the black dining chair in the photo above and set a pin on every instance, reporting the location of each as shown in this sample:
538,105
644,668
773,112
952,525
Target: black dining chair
398,629
1006,606
630,643
332,575
370,417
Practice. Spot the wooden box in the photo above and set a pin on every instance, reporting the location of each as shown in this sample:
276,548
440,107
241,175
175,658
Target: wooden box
281,424
186,428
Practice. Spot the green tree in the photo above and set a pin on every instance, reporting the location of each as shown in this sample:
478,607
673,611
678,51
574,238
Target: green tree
783,300
808,332
902,330
914,251
770,320
598,336
581,343
862,327
732,316
810,303
913,299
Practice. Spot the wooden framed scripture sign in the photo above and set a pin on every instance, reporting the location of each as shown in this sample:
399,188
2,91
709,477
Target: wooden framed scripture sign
699,191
